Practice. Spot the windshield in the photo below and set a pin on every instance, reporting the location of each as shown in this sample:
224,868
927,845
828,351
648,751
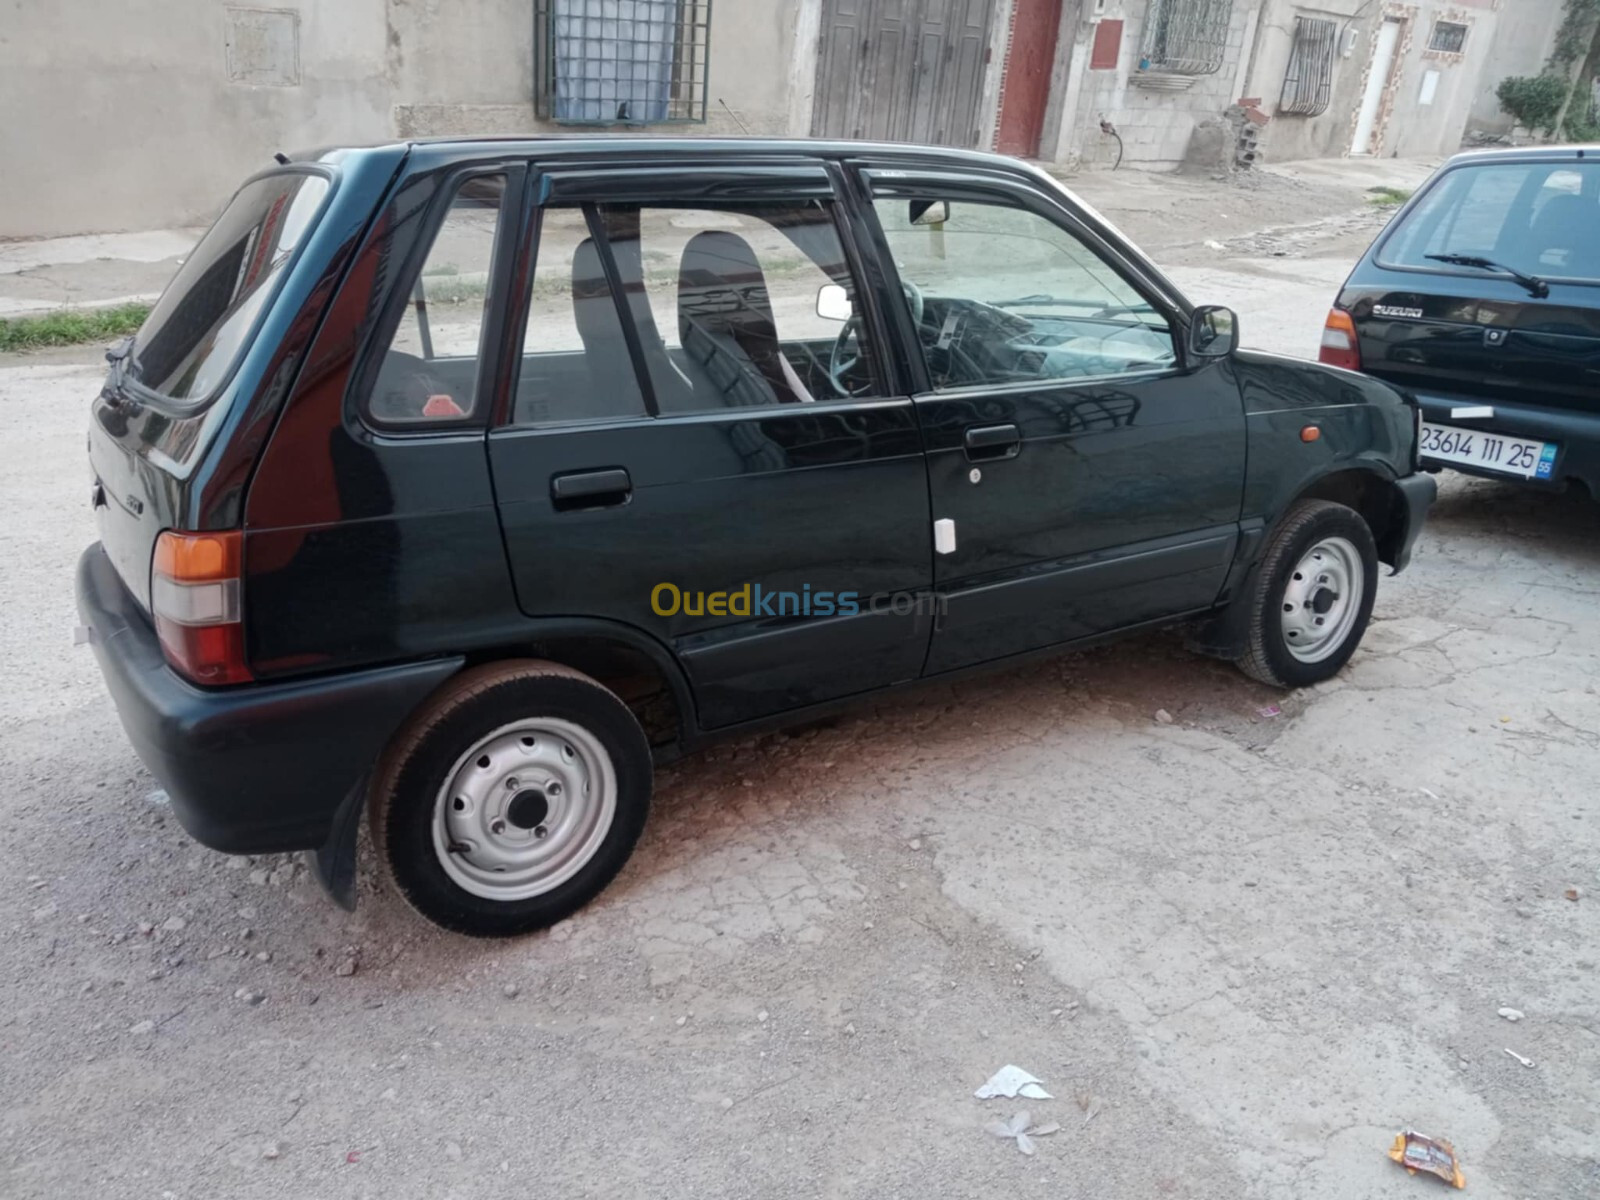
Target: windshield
1542,219
197,331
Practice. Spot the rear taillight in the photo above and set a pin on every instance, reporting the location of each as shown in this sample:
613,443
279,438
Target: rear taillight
194,597
1339,345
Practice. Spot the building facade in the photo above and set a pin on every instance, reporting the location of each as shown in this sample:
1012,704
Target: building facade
128,114
1522,45
1322,79
1390,78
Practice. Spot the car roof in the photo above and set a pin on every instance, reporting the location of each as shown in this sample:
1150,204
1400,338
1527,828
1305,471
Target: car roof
576,144
1516,154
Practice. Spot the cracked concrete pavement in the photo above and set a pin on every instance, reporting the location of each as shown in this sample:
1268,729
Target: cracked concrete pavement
1248,947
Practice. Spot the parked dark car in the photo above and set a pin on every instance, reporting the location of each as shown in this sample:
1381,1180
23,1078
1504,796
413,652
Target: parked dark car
1482,298
462,481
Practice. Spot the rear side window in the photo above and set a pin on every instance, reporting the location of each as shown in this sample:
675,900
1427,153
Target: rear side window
198,330
430,371
1539,218
576,363
728,306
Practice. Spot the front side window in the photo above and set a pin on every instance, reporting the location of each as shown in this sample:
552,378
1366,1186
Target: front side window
1002,295
430,370
199,329
731,307
1542,219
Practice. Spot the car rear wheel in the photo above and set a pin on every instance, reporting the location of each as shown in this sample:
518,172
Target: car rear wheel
1312,596
511,799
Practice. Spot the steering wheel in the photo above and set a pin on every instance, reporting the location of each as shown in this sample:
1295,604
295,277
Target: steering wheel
846,354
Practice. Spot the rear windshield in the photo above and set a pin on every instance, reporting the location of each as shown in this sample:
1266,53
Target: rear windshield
195,334
1541,219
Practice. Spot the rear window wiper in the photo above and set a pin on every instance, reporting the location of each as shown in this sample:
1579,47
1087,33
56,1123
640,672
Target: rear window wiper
1536,286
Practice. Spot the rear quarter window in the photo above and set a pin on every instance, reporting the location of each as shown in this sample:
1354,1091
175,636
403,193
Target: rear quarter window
1539,218
199,329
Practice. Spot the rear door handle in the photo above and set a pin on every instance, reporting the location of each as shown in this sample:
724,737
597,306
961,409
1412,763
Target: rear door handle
992,441
591,489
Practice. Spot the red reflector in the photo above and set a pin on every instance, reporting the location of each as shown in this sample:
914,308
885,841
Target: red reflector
208,654
1340,345
442,406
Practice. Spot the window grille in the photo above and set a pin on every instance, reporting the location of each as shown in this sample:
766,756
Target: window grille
1448,36
1308,83
621,62
1185,37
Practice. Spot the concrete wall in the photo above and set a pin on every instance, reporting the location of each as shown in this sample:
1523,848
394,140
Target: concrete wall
468,68
124,114
1522,46
1154,125
138,114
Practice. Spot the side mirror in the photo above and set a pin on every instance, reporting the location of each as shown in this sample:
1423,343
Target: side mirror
833,303
1213,332
930,212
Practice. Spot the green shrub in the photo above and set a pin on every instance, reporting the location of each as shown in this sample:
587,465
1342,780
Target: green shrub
1534,100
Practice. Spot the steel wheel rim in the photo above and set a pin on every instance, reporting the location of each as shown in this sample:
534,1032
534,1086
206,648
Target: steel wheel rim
524,809
1322,599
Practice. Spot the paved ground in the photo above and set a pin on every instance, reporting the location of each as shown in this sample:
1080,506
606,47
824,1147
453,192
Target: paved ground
1242,950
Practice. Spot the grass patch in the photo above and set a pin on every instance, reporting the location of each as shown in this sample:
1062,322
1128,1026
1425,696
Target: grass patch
71,326
1388,197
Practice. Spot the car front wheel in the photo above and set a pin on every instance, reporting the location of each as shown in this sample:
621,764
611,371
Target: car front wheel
1312,596
512,798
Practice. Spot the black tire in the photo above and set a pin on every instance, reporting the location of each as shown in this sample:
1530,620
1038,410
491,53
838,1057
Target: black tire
1267,656
422,757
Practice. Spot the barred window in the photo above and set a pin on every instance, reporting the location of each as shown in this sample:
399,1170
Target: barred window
1185,37
1308,83
621,62
1448,36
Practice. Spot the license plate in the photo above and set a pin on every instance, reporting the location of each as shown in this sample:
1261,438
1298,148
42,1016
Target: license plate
1488,451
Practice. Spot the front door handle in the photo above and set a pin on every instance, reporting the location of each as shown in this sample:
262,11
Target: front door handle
986,442
591,489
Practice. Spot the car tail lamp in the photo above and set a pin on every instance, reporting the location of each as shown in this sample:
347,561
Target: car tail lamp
1339,345
194,598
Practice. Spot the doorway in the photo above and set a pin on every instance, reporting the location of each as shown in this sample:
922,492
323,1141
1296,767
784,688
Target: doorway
1378,79
902,70
1026,90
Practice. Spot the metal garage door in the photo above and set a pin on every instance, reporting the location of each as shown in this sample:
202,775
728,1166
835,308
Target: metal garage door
901,70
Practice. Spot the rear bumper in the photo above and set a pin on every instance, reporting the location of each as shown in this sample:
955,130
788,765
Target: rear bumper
252,769
1575,431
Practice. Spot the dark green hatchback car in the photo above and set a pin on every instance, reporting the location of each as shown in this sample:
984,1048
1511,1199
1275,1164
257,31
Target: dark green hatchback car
461,482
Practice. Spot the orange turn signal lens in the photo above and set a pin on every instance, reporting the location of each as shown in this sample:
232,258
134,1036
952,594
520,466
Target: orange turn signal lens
199,557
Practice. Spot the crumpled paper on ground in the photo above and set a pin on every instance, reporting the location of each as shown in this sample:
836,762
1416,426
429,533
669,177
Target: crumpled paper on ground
1011,1081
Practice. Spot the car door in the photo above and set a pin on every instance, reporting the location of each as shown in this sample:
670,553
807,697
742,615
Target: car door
1083,477
677,455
